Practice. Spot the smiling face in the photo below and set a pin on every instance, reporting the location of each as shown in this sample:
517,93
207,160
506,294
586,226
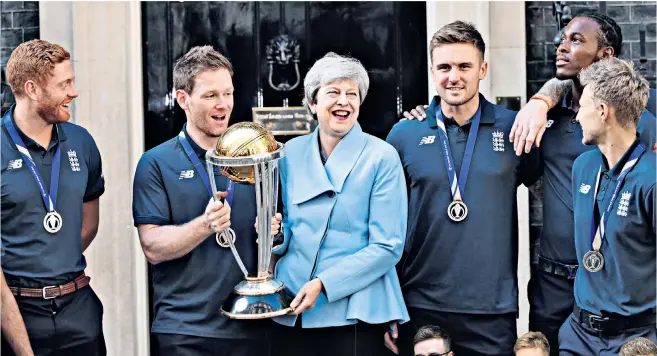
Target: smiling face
55,94
591,116
337,106
209,105
579,47
456,70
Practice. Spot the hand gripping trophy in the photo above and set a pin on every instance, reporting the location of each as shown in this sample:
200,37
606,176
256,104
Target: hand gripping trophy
248,153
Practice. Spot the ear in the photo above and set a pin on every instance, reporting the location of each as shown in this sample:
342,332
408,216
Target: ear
31,89
604,112
181,98
313,108
606,52
483,70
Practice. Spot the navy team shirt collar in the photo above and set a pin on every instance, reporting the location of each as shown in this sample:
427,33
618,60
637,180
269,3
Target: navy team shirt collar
58,133
487,112
615,171
200,152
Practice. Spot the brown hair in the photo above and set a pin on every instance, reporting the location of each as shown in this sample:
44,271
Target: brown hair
33,60
430,332
457,32
532,340
615,82
196,60
639,346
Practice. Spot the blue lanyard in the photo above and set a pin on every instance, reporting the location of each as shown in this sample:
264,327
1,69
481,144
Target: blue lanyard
49,200
458,185
598,232
200,170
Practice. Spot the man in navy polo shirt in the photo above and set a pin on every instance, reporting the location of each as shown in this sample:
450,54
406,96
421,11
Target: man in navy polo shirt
587,39
194,272
459,269
614,202
51,184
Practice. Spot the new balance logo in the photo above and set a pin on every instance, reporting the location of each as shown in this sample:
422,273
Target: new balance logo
73,161
549,123
498,141
15,164
187,174
427,140
624,204
584,188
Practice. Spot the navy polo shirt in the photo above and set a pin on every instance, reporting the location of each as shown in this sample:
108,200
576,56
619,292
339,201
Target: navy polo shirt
626,283
561,145
28,250
188,292
468,266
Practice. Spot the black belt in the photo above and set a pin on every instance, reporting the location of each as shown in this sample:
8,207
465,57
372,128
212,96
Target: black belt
613,325
557,268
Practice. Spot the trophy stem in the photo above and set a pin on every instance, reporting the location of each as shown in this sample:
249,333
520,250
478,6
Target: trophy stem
213,183
263,197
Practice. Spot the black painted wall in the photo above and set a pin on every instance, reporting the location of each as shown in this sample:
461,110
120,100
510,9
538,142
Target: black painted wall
541,28
19,22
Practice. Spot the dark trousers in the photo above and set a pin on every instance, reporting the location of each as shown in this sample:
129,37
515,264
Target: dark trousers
577,339
186,345
67,326
471,334
361,339
551,300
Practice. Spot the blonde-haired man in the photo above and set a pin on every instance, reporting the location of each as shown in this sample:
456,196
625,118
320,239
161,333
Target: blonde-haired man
51,184
614,198
532,343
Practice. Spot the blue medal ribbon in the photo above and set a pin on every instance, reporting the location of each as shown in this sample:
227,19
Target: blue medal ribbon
598,227
191,154
458,185
49,199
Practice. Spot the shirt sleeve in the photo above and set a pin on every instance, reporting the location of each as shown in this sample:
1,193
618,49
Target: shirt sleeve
150,201
95,180
649,205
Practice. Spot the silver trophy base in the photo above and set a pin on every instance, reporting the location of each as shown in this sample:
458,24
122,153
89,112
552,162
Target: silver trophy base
258,298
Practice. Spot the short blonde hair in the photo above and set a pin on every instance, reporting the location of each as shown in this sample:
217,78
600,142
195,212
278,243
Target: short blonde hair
532,340
615,82
639,346
33,60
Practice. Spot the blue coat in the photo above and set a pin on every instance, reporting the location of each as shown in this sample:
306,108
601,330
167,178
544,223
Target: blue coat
344,223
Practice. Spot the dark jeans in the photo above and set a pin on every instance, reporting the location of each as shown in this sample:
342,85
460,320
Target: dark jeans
551,300
576,339
68,326
471,334
361,339
186,345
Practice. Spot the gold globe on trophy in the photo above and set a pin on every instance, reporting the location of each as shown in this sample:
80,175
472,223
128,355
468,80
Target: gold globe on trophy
244,139
248,153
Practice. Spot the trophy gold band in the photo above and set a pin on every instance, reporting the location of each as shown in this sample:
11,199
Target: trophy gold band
248,153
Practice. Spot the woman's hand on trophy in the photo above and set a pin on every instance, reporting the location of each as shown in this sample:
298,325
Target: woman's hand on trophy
275,224
307,296
217,214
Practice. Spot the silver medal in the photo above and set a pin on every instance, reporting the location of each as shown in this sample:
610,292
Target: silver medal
593,261
52,222
457,210
222,237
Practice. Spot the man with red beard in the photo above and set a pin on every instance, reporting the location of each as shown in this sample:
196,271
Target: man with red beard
51,184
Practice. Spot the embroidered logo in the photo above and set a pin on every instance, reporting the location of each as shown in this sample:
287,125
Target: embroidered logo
186,174
498,141
549,123
584,188
624,204
15,164
73,161
427,140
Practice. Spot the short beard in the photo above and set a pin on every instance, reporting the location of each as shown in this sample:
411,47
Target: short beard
459,103
47,111
592,140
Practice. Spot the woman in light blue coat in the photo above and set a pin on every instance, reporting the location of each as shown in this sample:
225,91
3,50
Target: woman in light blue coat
344,217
